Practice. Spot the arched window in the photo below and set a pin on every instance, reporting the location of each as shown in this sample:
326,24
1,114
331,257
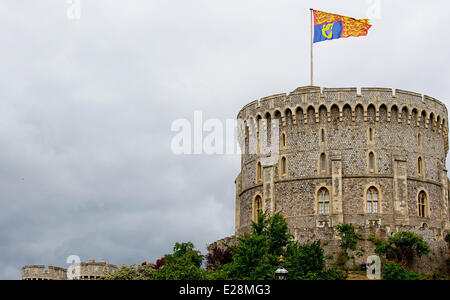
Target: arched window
258,144
371,161
283,166
420,166
419,140
323,162
372,201
257,207
258,172
322,135
324,201
422,204
283,140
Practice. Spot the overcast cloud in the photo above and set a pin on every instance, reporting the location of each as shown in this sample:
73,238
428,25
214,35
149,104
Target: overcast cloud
86,108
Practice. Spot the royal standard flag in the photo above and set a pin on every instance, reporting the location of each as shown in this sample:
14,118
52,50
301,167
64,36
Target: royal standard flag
330,26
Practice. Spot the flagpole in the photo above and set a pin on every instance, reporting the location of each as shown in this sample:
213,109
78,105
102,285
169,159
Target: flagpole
312,47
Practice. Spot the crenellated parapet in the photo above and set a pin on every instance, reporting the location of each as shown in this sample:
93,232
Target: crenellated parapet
40,272
307,105
92,270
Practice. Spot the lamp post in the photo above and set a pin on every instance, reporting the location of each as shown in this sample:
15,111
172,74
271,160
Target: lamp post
281,273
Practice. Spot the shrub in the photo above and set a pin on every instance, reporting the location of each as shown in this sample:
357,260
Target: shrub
132,272
217,257
393,271
304,259
402,247
184,264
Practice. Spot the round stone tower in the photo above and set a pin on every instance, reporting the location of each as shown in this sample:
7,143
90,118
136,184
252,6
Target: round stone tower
374,158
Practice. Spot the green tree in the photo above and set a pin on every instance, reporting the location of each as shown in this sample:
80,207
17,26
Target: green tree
278,234
132,272
402,247
349,241
184,264
349,237
256,255
252,259
393,271
304,260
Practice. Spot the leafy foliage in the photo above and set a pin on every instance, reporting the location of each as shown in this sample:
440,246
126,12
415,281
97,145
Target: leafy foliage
218,256
393,271
256,255
183,264
447,238
303,260
132,272
349,237
402,247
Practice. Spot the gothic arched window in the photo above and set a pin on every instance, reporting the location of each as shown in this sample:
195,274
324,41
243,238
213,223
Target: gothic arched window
323,201
422,204
257,207
283,166
323,162
372,199
371,161
420,166
258,172
283,140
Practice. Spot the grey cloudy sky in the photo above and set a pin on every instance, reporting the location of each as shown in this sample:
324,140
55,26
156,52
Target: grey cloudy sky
86,108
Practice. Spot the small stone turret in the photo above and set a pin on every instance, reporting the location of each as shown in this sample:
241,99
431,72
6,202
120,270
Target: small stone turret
92,270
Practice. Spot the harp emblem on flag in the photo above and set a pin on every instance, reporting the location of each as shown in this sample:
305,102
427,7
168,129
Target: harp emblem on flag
326,28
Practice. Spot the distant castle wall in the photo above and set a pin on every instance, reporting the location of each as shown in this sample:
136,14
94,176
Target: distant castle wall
87,271
39,272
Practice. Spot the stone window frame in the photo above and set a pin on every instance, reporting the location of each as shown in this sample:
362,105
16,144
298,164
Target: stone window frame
254,207
427,203
380,198
419,140
369,134
323,171
259,173
280,167
420,166
258,134
316,206
322,136
375,163
283,143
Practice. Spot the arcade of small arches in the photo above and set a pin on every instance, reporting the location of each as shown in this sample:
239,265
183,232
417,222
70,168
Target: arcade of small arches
334,113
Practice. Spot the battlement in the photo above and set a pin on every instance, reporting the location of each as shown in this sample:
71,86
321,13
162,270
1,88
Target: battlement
91,270
306,105
312,95
39,272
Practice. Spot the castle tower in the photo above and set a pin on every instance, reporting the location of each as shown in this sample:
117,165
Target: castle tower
374,158
93,270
